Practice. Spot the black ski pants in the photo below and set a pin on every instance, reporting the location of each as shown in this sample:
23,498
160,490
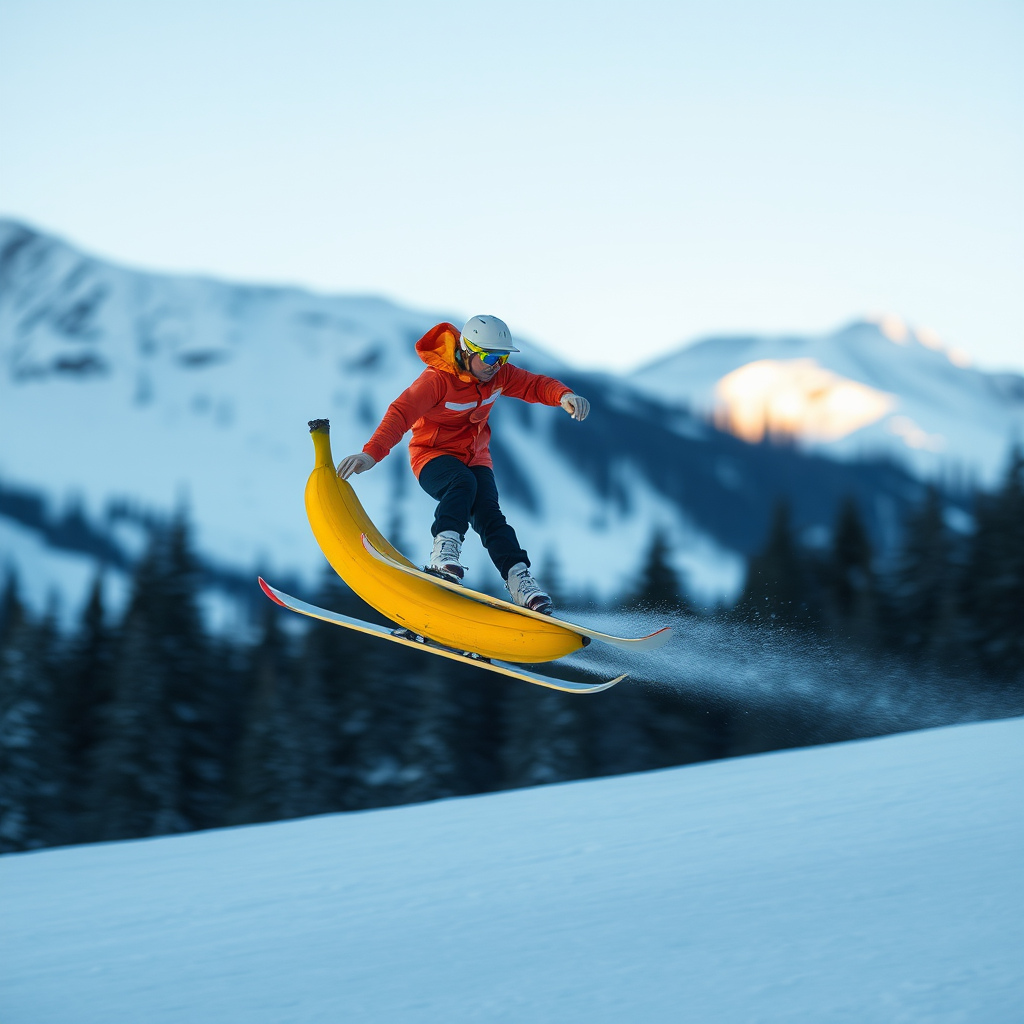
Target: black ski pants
468,496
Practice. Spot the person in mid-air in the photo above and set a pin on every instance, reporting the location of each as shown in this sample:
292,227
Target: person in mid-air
447,408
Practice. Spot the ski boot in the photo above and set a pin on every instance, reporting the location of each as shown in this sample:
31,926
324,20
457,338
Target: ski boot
526,591
444,559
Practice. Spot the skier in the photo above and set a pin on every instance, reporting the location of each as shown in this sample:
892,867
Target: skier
447,408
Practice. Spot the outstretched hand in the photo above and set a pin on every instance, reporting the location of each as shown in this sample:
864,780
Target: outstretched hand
358,463
576,406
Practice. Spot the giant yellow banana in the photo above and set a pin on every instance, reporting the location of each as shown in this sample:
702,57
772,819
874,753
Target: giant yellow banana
338,521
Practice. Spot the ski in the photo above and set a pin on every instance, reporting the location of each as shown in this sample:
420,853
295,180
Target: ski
408,638
642,643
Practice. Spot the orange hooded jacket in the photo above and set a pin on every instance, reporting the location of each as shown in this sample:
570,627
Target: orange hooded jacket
447,408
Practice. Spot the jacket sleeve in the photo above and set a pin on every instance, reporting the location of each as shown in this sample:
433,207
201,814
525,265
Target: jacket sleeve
416,400
532,387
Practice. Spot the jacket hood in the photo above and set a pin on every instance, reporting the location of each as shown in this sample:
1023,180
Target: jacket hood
437,349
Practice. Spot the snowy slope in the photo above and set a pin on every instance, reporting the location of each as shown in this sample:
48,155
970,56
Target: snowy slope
153,389
123,394
54,579
870,387
881,880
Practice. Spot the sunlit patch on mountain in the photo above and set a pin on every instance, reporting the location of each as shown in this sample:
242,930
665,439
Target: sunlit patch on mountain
795,398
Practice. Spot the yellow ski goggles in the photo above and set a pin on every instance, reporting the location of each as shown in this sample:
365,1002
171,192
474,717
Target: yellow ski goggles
489,358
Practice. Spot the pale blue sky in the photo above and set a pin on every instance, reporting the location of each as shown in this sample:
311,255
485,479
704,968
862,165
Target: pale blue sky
611,178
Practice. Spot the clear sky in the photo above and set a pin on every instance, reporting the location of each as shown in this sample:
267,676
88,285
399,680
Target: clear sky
613,179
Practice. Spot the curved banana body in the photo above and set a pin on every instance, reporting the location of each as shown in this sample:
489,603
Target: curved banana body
339,521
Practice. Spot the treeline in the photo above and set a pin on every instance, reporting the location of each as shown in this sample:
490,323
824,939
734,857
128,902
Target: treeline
950,597
150,725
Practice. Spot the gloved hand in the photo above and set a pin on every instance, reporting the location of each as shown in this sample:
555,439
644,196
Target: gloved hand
576,406
358,463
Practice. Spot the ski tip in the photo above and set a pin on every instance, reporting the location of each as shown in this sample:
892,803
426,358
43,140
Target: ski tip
269,591
652,641
598,687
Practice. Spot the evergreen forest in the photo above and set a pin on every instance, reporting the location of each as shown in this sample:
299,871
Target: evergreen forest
151,724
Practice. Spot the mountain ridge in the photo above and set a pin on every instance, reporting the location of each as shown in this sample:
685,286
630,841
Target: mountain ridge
126,388
920,400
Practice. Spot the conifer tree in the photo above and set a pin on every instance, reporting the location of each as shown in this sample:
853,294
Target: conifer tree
658,587
356,703
924,590
85,693
31,754
10,600
551,579
477,728
777,584
135,782
345,688
545,738
618,730
325,669
378,721
435,768
267,782
158,766
993,596
849,576
198,695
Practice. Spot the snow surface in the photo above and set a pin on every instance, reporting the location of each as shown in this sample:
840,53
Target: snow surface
59,581
881,880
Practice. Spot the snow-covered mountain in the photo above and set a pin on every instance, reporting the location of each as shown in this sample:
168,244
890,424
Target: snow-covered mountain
123,394
877,386
880,880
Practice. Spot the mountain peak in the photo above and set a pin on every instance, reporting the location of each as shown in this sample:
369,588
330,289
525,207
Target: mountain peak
876,385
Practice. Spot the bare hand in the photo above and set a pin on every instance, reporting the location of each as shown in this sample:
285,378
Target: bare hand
358,463
576,406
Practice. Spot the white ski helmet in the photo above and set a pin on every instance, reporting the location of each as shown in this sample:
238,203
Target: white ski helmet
487,333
